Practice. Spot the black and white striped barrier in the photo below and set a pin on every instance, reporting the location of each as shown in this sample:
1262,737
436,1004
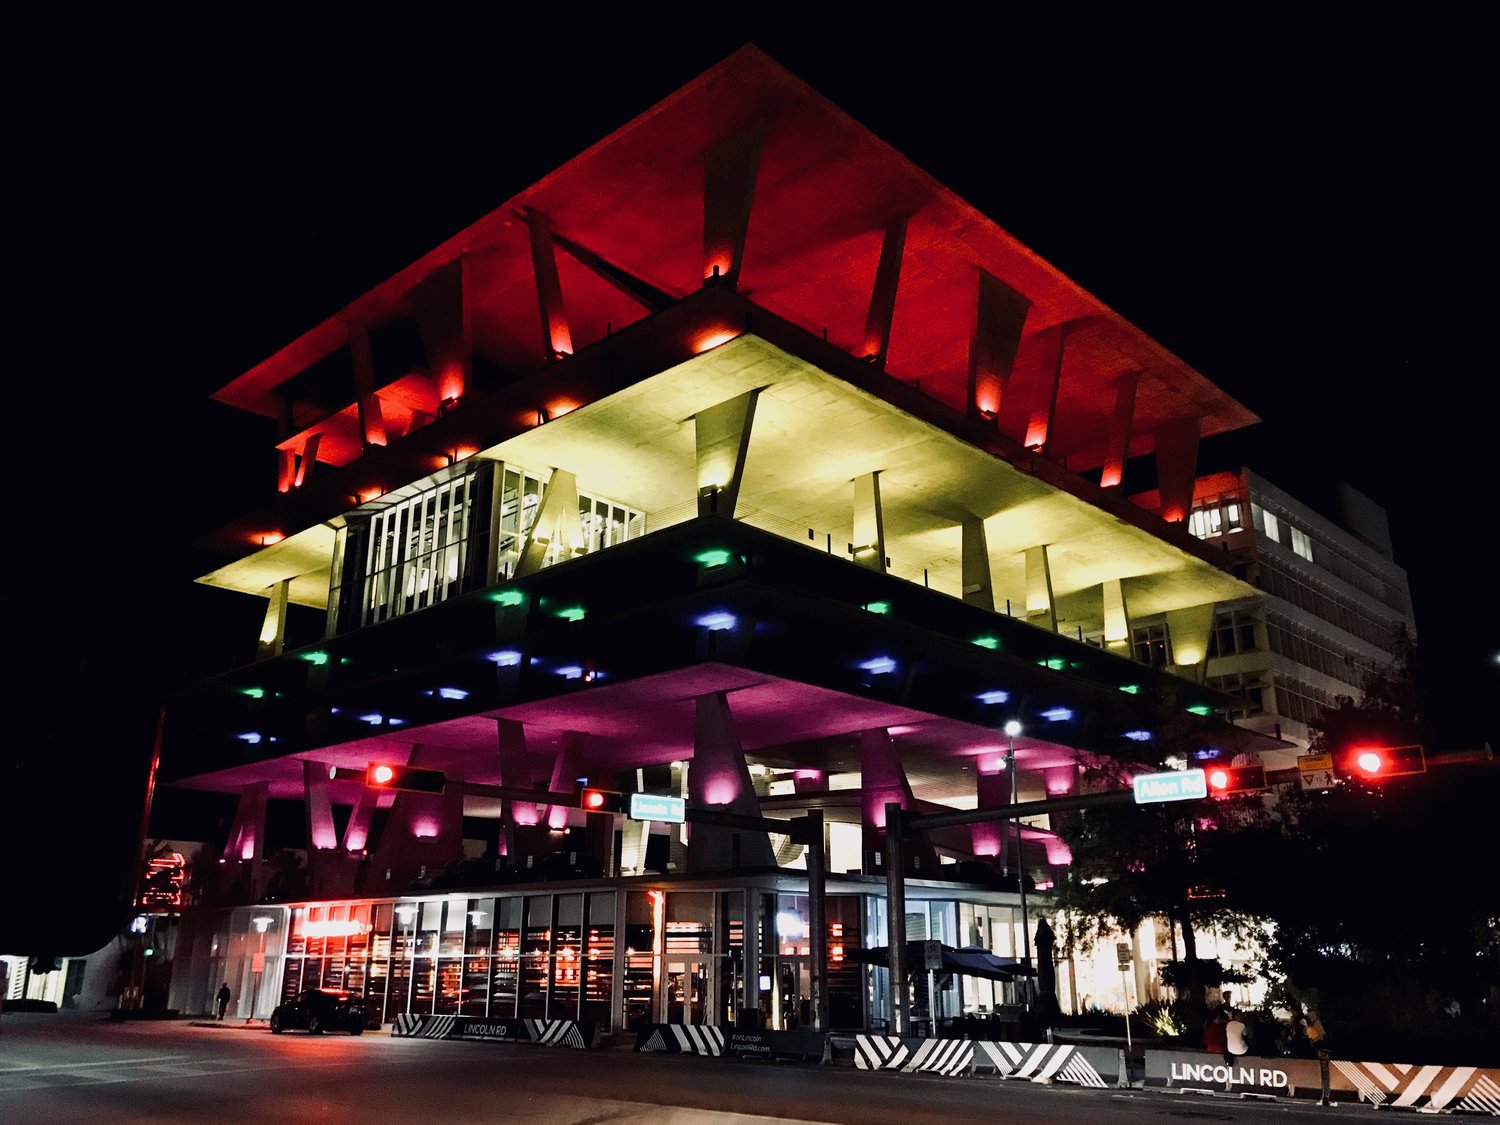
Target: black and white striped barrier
1467,1089
549,1033
681,1039
1035,1062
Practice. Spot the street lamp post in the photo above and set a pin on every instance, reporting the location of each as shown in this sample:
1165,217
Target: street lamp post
1012,729
262,922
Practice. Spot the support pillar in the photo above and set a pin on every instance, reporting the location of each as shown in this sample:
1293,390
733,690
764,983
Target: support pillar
877,341
1116,614
720,779
895,921
371,418
423,833
557,337
1000,315
556,521
722,434
245,848
729,170
817,919
977,589
1041,609
988,836
868,547
882,783
1189,630
273,628
515,770
441,307
635,835
1176,466
564,778
1117,452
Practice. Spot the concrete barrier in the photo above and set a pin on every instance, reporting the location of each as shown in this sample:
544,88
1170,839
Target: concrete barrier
549,1033
691,1039
1098,1067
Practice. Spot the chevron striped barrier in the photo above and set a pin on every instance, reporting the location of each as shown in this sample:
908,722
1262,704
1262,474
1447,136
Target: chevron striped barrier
680,1039
1463,1089
931,1056
1049,1062
549,1033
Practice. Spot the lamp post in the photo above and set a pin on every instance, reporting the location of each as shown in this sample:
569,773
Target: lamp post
1012,729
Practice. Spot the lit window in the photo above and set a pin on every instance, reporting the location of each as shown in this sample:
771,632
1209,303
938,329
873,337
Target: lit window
1273,527
1301,544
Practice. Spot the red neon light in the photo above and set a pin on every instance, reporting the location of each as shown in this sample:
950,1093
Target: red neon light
383,774
1218,778
1371,761
334,928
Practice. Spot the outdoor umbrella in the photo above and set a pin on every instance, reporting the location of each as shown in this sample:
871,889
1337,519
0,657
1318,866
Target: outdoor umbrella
971,961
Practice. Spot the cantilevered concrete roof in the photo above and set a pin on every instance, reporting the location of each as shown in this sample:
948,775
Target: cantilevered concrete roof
826,190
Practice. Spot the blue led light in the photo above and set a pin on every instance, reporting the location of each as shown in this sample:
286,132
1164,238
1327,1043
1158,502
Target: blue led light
252,737
452,693
879,666
1138,735
994,696
1206,752
717,622
570,672
1057,715
507,658
372,718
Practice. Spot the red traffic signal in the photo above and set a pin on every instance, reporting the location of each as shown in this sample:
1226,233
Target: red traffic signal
1375,763
382,775
1226,781
601,800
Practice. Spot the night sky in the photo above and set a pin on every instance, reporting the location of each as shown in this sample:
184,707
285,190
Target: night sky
1297,209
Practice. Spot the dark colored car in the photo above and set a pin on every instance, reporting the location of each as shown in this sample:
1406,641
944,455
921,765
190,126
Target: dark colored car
321,1009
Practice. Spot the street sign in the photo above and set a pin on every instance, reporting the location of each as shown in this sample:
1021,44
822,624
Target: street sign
1316,770
655,806
1174,785
1122,954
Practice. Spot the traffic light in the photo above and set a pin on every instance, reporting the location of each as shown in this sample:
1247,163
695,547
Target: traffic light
380,775
1227,781
1376,763
601,800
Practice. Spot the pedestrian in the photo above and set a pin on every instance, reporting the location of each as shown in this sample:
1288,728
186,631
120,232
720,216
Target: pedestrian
223,998
1213,1034
1317,1034
1236,1042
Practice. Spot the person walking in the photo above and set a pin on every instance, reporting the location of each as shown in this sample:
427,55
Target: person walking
223,998
1213,1034
1236,1041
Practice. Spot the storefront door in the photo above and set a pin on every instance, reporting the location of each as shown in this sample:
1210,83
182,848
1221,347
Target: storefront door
686,985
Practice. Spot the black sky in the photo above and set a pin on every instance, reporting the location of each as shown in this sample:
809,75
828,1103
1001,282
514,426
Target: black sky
1297,206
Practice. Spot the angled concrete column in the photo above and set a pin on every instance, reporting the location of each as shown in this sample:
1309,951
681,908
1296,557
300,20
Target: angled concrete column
273,628
423,833
720,779
883,781
318,799
515,770
1116,614
1028,412
564,777
877,341
440,304
993,787
976,565
1040,607
247,832
357,831
1117,451
1176,466
557,338
1189,630
634,837
556,521
722,434
729,170
869,523
999,316
371,417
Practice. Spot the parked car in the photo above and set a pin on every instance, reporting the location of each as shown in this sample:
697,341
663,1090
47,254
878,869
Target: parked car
320,1009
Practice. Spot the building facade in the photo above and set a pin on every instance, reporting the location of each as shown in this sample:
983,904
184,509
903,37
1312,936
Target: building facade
736,461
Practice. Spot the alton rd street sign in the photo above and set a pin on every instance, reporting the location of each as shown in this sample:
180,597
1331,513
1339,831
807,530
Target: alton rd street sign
655,806
1174,785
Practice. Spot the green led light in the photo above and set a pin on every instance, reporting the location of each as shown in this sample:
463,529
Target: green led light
572,613
1131,689
318,658
510,597
1056,663
253,692
1200,709
713,558
987,642
877,607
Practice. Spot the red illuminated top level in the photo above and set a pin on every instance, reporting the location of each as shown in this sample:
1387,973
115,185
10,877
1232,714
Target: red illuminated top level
629,235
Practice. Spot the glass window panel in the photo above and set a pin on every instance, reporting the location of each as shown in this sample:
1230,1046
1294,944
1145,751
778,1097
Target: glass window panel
507,962
567,947
536,948
450,980
640,960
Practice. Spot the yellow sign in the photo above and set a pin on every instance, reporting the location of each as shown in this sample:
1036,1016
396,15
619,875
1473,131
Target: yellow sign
1316,771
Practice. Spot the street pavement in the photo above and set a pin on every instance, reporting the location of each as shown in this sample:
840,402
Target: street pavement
84,1067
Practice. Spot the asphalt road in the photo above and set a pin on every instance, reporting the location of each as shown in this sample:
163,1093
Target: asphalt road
78,1068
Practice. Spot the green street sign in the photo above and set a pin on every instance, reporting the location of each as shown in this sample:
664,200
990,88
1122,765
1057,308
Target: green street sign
654,806
1174,785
